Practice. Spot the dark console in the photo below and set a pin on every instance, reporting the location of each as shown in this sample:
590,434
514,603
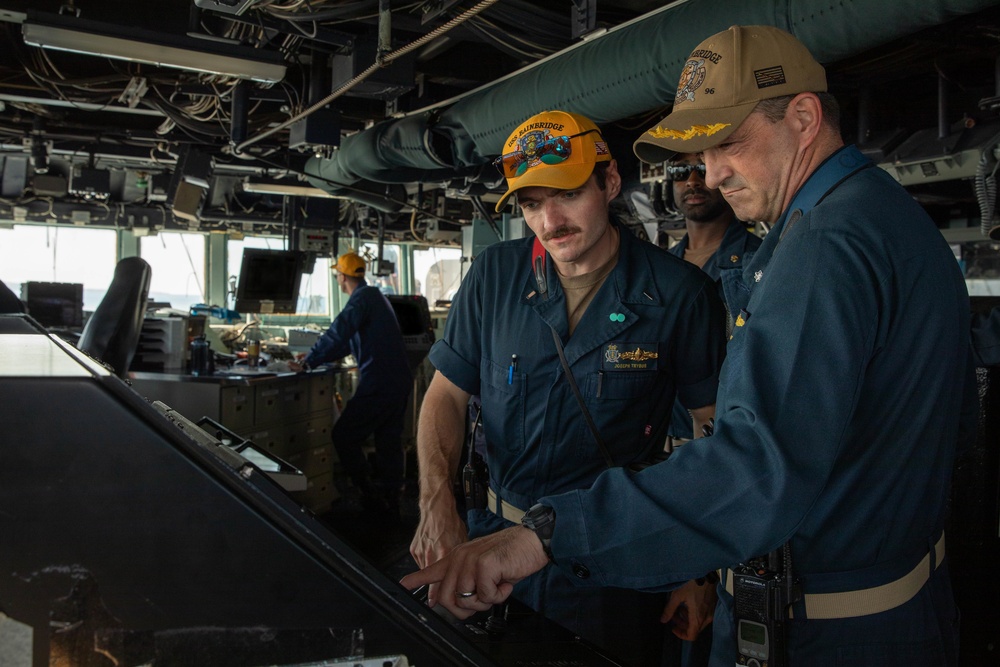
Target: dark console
127,539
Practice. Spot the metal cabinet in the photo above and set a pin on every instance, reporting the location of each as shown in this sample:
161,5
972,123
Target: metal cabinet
290,416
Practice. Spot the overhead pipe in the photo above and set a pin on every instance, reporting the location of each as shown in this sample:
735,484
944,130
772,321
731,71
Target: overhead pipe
384,30
627,71
240,112
984,184
943,96
382,60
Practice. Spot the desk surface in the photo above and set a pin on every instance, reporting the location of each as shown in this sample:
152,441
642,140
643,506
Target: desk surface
238,376
44,356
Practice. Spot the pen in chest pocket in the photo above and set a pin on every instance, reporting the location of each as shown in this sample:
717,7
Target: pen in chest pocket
511,369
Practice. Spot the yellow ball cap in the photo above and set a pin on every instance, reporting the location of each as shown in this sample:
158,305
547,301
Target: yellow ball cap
351,264
722,81
553,149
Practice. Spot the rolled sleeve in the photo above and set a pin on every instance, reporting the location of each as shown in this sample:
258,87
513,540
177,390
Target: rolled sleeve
457,355
455,367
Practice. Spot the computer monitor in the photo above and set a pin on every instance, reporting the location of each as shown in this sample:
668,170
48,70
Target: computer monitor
269,281
413,315
54,305
414,319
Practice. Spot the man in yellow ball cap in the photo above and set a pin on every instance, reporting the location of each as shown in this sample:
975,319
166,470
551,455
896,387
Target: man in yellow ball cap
636,326
367,329
824,489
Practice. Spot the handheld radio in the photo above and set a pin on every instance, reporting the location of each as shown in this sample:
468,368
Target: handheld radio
475,476
763,590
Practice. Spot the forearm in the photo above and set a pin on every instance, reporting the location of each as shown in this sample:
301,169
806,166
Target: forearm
440,436
440,432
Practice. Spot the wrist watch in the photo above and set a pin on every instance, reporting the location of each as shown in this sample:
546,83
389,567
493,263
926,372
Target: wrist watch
541,520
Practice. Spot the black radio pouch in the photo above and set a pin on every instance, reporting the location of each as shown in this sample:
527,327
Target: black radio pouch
475,482
475,474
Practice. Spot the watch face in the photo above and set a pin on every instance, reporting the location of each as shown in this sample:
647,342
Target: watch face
540,519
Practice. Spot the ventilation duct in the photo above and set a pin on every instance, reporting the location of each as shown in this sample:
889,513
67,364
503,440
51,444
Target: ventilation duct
627,71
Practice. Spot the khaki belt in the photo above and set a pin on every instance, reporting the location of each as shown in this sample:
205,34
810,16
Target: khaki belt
506,511
673,443
867,601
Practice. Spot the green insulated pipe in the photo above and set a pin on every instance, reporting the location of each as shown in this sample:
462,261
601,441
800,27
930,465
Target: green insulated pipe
630,70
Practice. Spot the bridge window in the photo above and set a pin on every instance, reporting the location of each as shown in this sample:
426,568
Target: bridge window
437,272
50,253
178,263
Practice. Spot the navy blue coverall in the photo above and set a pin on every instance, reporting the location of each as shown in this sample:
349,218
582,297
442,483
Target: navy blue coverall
725,267
367,328
845,389
654,330
986,338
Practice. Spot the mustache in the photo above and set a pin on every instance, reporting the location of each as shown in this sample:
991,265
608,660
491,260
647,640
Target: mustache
560,231
695,192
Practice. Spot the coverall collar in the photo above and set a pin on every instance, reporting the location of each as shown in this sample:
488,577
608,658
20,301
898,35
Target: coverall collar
834,170
608,315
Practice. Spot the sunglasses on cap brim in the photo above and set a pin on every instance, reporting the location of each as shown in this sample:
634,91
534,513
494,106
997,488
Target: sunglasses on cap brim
682,172
551,151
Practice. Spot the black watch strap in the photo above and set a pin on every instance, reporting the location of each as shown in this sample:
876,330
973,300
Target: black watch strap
541,520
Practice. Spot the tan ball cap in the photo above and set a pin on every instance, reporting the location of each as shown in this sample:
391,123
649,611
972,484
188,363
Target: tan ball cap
722,81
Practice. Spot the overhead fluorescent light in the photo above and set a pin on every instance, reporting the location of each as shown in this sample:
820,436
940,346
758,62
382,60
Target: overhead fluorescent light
282,189
119,48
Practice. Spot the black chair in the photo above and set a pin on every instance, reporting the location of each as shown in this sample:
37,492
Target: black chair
112,332
9,303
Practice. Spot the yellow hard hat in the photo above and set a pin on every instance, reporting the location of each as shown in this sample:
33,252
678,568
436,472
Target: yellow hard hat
351,264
